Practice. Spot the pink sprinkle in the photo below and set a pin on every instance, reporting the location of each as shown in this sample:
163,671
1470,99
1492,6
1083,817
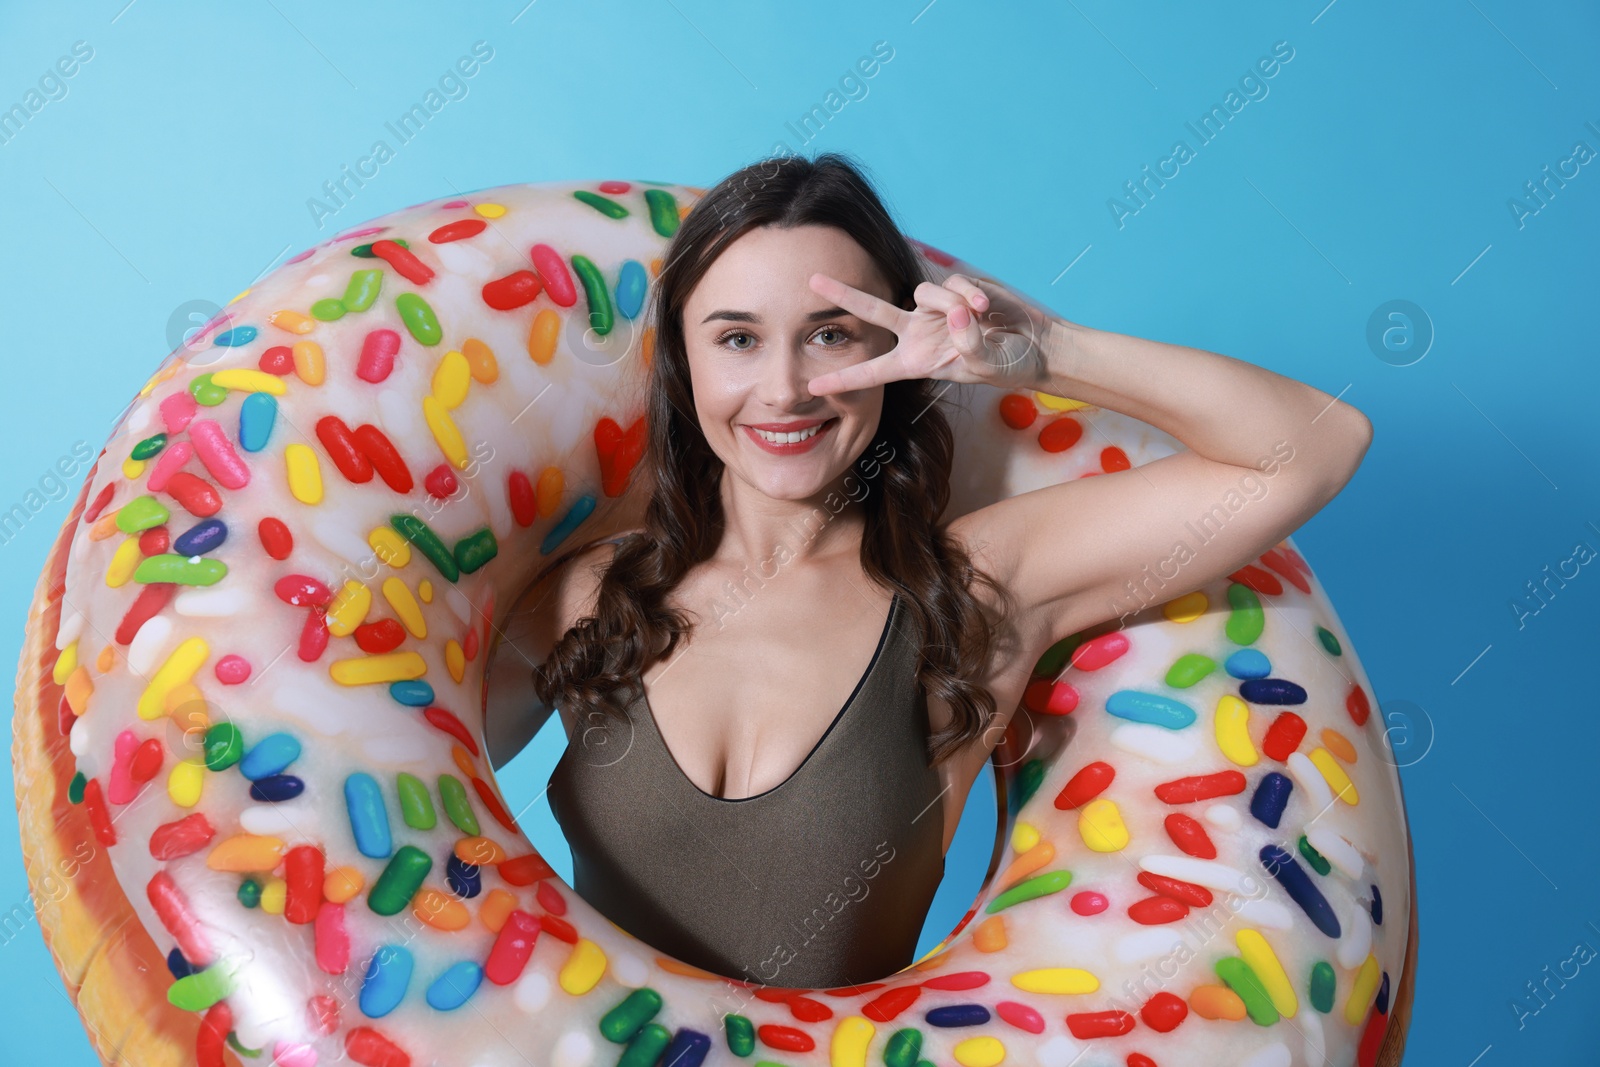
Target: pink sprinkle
332,942
301,257
377,355
122,787
217,453
455,203
364,232
231,670
285,1054
1090,903
614,187
171,460
177,410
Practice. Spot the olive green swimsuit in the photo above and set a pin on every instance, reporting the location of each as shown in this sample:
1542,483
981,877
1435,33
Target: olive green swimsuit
821,881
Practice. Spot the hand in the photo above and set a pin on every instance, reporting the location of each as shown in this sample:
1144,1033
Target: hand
960,331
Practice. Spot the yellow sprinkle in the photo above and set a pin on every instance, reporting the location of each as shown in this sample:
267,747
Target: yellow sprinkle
389,667
160,376
851,1036
132,468
246,852
1362,990
1338,781
451,378
584,966
398,594
65,662
250,381
455,659
445,432
1255,951
425,591
305,473
292,321
179,668
1186,608
343,883
979,1052
309,366
1024,836
242,294
349,609
390,546
1056,980
185,781
273,896
543,335
1232,721
479,852
480,357
124,561
496,908
440,911
547,494
1058,403
79,689
1101,827
489,211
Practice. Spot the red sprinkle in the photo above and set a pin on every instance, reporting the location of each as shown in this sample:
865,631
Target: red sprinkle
1293,573
958,980
457,231
302,591
888,1005
1139,1059
94,801
1100,652
1021,1016
322,1013
524,507
371,1049
785,1038
559,929
1060,434
525,870
1154,911
553,272
331,939
1201,787
1087,784
275,538
378,350
92,512
376,638
1357,705
151,599
185,837
496,808
1018,411
1190,837
147,759
376,447
1186,892
1284,736
1163,1012
443,720
211,1040
302,871
512,947
550,898
1257,579
809,1010
154,541
194,494
441,482
1089,1024
1045,697
1372,1039
513,291
172,908
614,188
340,444
313,636
232,670
279,360
1113,459
407,265
1089,902
619,451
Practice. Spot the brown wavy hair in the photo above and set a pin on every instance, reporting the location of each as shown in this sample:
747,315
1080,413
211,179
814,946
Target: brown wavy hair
596,665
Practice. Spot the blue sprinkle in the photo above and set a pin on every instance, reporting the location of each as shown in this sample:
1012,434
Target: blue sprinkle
239,335
1382,1003
1135,706
179,966
1270,798
269,755
688,1048
1377,907
1297,883
1271,691
630,291
276,787
580,510
463,878
388,974
204,536
1248,663
414,693
256,416
455,986
958,1015
369,819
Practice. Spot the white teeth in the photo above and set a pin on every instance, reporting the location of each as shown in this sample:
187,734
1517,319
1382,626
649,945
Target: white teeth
788,438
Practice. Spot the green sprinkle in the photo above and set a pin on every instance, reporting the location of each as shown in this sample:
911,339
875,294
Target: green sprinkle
365,251
1189,670
148,447
456,805
249,893
474,550
601,315
233,1043
663,211
421,534
362,290
328,310
622,1022
904,1048
1330,643
1318,862
205,394
224,746
141,513
75,790
1243,981
419,318
182,570
1323,986
603,204
1246,620
1029,778
202,989
1040,885
646,1047
400,880
416,803
741,1034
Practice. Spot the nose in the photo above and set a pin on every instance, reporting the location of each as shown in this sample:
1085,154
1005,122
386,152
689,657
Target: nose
784,374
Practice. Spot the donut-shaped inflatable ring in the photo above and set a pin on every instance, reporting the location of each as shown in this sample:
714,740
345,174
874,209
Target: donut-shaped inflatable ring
250,716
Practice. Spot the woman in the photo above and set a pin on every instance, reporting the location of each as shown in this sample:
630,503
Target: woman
779,691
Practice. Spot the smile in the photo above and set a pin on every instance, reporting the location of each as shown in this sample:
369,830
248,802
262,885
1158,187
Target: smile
793,443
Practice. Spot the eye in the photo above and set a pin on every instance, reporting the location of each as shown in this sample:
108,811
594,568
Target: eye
723,340
843,336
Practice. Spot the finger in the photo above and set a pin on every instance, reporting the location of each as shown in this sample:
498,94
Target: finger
864,306
933,297
856,376
968,337
969,290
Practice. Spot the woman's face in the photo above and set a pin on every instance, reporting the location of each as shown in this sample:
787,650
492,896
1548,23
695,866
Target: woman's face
756,333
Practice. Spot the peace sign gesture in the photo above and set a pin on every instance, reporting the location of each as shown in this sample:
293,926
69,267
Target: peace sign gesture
960,331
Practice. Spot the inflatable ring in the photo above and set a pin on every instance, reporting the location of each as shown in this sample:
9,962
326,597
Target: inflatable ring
256,808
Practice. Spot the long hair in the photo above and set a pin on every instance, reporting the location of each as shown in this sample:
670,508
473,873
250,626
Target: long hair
597,663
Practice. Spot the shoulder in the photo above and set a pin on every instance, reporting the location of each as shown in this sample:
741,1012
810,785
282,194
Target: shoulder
577,582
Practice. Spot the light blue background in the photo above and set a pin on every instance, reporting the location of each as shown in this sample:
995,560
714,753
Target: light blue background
1379,167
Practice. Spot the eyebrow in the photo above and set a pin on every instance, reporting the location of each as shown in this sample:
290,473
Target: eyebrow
750,316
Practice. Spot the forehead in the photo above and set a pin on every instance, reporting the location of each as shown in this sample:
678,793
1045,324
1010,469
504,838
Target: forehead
769,269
